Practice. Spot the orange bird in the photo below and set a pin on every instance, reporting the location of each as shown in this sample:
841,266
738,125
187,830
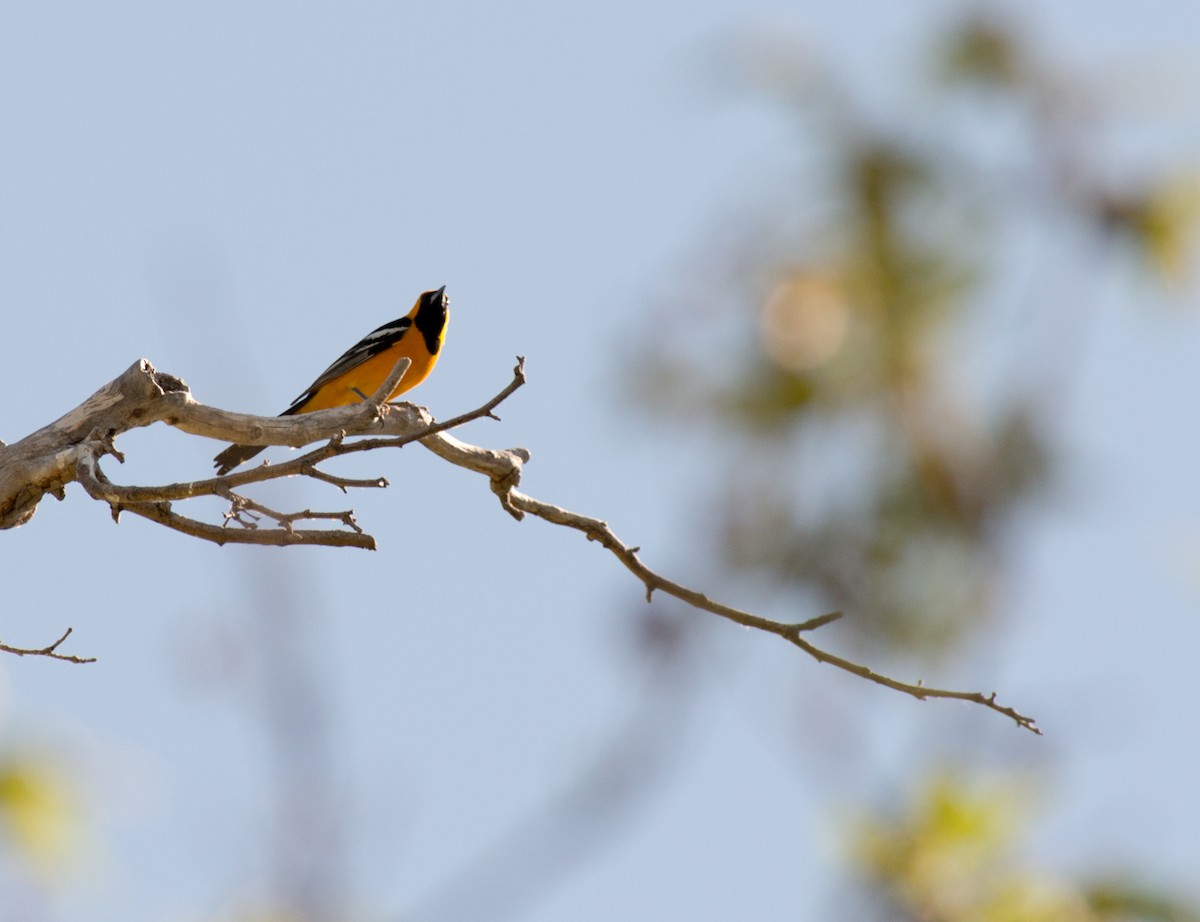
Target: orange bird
360,370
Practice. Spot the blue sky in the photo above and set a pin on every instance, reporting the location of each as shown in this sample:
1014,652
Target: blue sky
238,191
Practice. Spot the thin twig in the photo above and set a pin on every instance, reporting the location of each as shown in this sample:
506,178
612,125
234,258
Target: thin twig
240,504
50,652
486,410
345,483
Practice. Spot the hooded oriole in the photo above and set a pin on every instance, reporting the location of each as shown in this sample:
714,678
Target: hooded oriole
365,365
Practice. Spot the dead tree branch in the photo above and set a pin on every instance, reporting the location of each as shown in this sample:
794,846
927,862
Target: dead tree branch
70,449
794,632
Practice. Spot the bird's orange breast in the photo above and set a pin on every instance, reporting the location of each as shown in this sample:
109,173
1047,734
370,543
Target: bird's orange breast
367,377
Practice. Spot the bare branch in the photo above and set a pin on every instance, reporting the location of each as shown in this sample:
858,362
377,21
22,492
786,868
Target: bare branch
98,486
182,411
50,652
241,504
345,483
415,425
503,469
47,460
599,531
279,537
70,449
431,427
486,410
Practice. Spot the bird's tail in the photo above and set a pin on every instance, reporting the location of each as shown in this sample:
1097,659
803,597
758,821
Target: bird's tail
234,455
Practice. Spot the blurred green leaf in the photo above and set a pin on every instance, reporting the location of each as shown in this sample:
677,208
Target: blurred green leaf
1122,901
982,51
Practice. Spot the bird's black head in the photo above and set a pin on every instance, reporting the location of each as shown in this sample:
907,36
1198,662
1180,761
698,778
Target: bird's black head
431,318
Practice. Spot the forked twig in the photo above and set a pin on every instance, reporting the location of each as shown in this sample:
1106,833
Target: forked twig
50,652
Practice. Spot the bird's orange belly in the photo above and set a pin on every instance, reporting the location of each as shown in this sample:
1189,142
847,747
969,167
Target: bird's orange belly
367,377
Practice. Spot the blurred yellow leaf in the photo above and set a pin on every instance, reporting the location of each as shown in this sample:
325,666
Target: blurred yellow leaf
1162,222
951,860
37,813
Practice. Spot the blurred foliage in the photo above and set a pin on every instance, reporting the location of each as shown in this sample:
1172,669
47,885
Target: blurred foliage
39,821
1122,901
952,859
1159,220
984,51
868,460
242,914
